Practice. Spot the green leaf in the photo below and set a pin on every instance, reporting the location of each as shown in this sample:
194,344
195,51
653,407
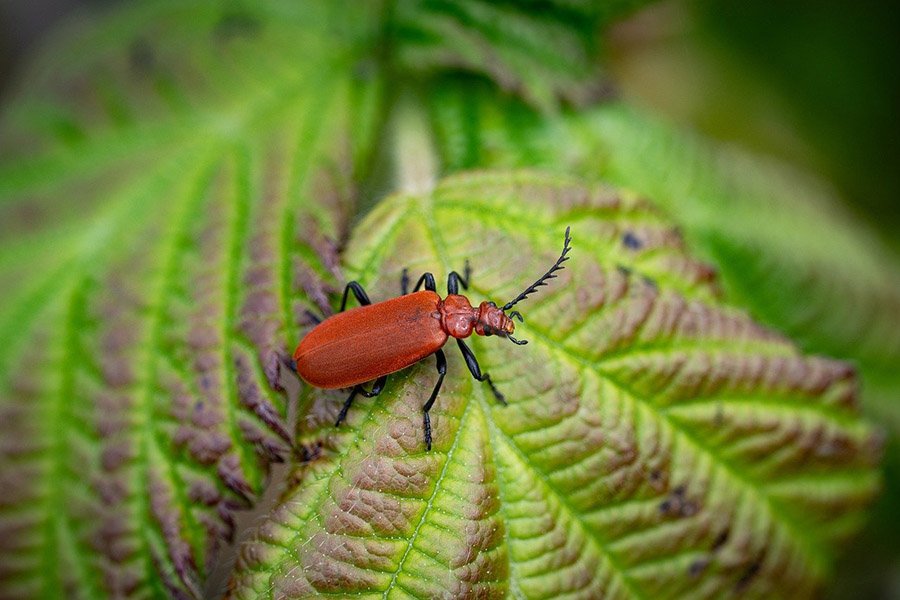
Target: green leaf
656,444
172,176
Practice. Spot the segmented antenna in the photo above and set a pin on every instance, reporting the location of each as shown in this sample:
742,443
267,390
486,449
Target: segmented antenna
548,275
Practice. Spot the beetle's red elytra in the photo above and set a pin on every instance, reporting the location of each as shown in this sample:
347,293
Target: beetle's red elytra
374,340
369,341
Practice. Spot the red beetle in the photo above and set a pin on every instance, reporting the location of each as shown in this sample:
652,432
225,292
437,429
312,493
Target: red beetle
374,340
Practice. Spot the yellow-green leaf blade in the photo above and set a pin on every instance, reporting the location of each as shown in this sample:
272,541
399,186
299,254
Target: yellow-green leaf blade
656,442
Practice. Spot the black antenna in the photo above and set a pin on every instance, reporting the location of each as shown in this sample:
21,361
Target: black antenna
548,275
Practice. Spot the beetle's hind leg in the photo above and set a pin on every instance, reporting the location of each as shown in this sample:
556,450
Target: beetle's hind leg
347,403
472,363
442,370
358,389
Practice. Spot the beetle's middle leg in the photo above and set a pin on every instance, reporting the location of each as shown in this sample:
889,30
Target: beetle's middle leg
358,389
358,292
472,363
428,280
442,370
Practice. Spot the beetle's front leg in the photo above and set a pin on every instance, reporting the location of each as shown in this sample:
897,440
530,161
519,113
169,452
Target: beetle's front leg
472,363
455,280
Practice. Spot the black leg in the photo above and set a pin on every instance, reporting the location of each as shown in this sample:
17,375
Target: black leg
343,414
358,292
454,280
376,389
288,361
442,370
428,280
472,363
404,282
311,318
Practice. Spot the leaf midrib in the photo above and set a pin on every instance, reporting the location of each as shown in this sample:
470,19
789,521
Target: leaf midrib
430,502
440,251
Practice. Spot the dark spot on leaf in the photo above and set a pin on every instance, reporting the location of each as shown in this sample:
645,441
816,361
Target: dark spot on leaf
721,539
697,567
623,270
650,282
631,241
747,577
658,479
677,504
309,452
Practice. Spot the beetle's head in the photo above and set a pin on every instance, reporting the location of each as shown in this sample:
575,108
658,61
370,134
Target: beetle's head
493,321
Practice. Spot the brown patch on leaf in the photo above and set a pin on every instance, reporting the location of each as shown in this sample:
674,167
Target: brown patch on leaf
163,505
253,397
679,504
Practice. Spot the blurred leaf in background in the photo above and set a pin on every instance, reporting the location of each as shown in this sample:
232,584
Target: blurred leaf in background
811,82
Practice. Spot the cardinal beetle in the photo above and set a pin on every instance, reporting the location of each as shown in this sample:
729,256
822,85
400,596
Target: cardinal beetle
374,340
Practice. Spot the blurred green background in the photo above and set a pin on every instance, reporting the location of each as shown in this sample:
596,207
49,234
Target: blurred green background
813,82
